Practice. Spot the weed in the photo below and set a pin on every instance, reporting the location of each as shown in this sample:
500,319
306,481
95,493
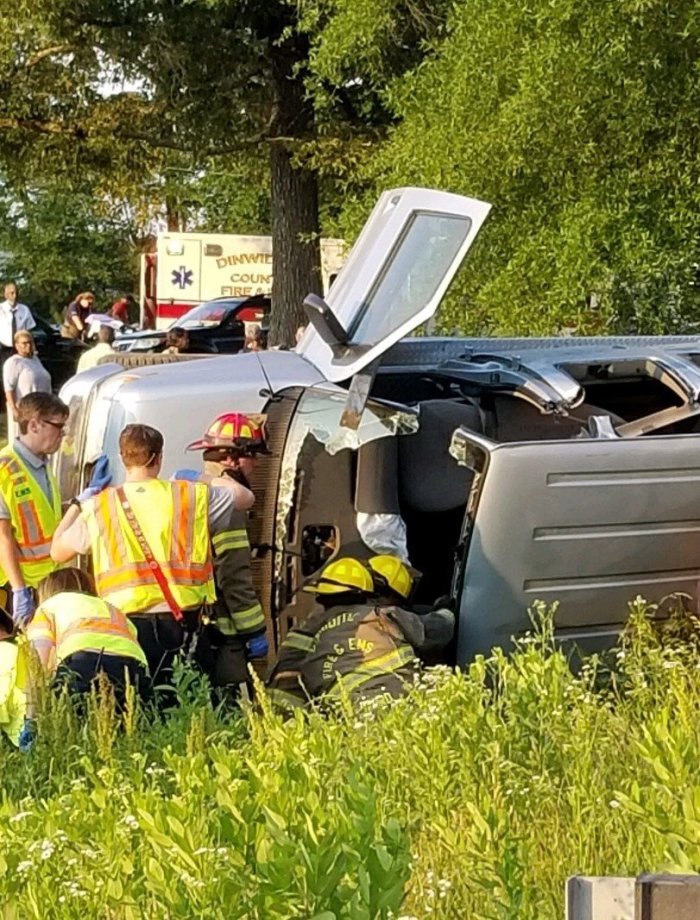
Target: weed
475,795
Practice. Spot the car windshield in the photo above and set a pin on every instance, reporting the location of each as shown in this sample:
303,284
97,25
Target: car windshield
210,313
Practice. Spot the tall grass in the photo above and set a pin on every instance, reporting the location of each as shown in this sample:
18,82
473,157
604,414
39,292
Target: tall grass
473,797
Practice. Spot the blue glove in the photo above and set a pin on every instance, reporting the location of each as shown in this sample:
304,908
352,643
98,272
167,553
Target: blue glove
257,647
23,606
27,736
99,480
189,475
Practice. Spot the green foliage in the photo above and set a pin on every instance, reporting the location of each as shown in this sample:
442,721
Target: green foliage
579,123
62,240
475,796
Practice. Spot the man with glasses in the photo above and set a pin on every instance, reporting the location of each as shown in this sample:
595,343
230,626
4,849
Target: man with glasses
30,501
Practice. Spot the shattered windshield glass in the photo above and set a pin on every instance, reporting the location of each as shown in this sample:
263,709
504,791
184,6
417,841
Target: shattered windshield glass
320,411
318,414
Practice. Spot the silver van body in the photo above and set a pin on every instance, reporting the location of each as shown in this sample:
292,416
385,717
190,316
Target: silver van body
561,470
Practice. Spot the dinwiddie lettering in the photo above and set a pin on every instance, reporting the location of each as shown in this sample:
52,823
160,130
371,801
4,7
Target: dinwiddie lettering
245,258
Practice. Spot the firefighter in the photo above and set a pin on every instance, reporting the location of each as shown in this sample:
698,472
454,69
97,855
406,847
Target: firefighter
351,645
231,446
150,543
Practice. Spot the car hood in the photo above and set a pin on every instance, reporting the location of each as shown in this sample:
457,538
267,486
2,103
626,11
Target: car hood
142,334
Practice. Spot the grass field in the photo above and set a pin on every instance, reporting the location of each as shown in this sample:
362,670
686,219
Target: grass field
473,797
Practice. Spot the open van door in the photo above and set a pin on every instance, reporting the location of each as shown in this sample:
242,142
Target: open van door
393,280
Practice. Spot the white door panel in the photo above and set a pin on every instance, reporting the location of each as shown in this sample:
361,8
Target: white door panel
396,274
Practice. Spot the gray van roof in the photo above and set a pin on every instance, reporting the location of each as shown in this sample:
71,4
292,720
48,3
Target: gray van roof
273,370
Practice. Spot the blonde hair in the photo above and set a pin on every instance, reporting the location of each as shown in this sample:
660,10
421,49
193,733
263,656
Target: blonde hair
69,579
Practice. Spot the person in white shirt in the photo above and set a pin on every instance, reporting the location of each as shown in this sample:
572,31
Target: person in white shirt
22,373
14,317
105,337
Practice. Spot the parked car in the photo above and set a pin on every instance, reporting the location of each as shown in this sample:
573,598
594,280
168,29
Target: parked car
58,355
216,326
564,470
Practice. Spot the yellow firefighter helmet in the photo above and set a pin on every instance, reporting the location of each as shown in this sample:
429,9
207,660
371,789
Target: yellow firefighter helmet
390,572
342,575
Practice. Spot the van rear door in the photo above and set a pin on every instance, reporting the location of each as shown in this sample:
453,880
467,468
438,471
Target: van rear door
395,276
179,269
588,524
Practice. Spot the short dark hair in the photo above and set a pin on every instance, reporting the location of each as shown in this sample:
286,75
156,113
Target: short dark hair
105,334
37,406
140,445
176,336
68,579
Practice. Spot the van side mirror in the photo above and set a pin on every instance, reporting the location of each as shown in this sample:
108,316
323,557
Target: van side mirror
324,321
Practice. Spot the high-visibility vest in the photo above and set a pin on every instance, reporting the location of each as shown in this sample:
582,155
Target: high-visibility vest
71,622
14,686
33,516
174,518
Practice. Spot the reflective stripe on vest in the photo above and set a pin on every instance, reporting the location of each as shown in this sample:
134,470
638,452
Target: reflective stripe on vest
368,670
174,517
78,622
33,517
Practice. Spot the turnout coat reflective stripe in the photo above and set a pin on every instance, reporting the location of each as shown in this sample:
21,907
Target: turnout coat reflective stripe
360,650
238,611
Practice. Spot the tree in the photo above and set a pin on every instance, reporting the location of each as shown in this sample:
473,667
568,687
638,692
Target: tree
222,79
60,241
579,123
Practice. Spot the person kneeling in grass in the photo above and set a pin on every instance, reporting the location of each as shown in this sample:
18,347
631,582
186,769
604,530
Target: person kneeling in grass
78,636
14,685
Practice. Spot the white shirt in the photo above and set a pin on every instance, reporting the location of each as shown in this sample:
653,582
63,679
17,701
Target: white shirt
93,355
23,320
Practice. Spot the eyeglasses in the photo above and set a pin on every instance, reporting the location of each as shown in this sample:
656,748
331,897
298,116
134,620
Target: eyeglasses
59,426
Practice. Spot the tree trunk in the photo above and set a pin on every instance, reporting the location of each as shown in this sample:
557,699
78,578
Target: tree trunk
294,200
295,244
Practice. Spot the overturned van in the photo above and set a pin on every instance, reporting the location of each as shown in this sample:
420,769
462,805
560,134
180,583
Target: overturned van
508,471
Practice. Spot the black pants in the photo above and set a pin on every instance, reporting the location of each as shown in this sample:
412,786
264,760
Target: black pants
80,670
223,659
163,639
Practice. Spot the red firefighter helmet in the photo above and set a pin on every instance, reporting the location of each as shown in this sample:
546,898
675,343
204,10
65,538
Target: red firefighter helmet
233,430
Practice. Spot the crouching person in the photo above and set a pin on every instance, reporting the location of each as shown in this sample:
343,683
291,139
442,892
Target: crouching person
14,685
78,636
352,645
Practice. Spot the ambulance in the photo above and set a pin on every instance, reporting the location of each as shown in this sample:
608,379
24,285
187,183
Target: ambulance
188,268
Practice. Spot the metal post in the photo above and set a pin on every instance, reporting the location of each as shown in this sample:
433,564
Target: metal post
591,898
667,897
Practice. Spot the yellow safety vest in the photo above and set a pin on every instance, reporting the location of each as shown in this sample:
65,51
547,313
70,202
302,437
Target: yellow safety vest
174,518
33,517
14,686
72,622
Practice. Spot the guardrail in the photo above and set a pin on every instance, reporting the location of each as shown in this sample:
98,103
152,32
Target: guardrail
647,897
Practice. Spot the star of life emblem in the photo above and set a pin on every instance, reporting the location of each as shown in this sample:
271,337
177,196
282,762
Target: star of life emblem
182,277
